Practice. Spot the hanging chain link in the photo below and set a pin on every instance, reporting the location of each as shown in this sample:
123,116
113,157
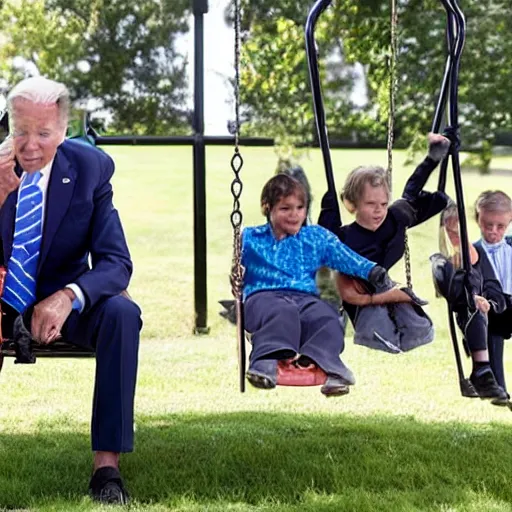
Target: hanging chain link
392,92
237,162
391,124
407,261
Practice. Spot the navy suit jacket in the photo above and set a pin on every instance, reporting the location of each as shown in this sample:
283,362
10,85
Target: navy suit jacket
500,321
83,240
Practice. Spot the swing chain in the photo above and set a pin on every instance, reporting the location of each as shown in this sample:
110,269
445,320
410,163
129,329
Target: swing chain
391,124
237,163
392,91
407,261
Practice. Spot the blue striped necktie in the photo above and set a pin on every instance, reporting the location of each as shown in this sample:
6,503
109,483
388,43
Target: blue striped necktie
20,282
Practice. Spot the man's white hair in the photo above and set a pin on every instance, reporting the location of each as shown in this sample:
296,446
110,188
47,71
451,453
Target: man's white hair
39,89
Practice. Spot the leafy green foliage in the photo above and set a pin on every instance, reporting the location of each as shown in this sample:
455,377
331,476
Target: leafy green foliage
275,70
278,101
41,38
119,53
353,31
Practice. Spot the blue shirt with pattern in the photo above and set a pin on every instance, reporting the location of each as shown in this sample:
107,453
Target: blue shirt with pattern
292,262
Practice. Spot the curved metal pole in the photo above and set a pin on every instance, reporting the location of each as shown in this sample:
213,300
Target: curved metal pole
314,14
448,97
460,24
453,119
443,93
451,43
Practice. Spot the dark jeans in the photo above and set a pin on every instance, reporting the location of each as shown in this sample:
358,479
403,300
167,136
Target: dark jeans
288,323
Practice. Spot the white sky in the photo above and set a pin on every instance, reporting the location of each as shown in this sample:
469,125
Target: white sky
218,67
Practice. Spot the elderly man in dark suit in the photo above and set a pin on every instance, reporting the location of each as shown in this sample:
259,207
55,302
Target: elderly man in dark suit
68,263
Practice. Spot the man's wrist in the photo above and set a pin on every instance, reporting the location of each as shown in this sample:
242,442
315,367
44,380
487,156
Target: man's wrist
78,294
70,294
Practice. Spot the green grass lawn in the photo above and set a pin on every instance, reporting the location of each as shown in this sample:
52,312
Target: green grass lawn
403,440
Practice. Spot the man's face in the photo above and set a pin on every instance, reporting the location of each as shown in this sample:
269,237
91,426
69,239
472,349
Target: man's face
493,225
38,130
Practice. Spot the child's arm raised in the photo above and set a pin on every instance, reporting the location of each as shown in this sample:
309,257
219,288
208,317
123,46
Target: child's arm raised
416,205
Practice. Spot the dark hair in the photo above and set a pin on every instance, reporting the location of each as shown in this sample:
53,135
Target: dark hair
298,173
281,185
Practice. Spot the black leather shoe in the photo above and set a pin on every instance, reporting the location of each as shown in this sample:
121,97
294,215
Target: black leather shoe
335,386
485,384
502,402
262,374
467,390
106,486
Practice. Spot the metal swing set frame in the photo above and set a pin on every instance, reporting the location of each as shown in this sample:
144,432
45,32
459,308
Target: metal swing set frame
446,113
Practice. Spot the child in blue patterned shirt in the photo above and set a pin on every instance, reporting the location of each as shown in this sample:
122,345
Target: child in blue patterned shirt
283,312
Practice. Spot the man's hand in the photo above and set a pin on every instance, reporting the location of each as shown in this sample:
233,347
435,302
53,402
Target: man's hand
50,314
482,304
8,179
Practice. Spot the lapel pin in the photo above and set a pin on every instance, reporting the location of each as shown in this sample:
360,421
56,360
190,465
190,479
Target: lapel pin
66,180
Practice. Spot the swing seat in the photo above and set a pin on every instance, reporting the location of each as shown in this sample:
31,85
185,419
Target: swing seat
55,349
290,373
59,349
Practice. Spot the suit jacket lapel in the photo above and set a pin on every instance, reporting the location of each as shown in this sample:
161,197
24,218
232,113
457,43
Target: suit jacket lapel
58,196
485,265
8,216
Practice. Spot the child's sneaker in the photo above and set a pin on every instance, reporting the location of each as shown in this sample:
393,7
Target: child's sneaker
502,402
485,384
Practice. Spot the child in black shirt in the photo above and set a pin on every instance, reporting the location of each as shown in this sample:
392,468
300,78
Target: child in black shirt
379,234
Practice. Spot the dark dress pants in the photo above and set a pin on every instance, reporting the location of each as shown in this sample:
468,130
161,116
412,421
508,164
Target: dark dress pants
112,328
286,323
500,328
474,328
495,343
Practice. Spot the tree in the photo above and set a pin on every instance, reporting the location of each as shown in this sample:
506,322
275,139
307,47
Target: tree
486,67
358,31
275,88
118,53
275,81
35,39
